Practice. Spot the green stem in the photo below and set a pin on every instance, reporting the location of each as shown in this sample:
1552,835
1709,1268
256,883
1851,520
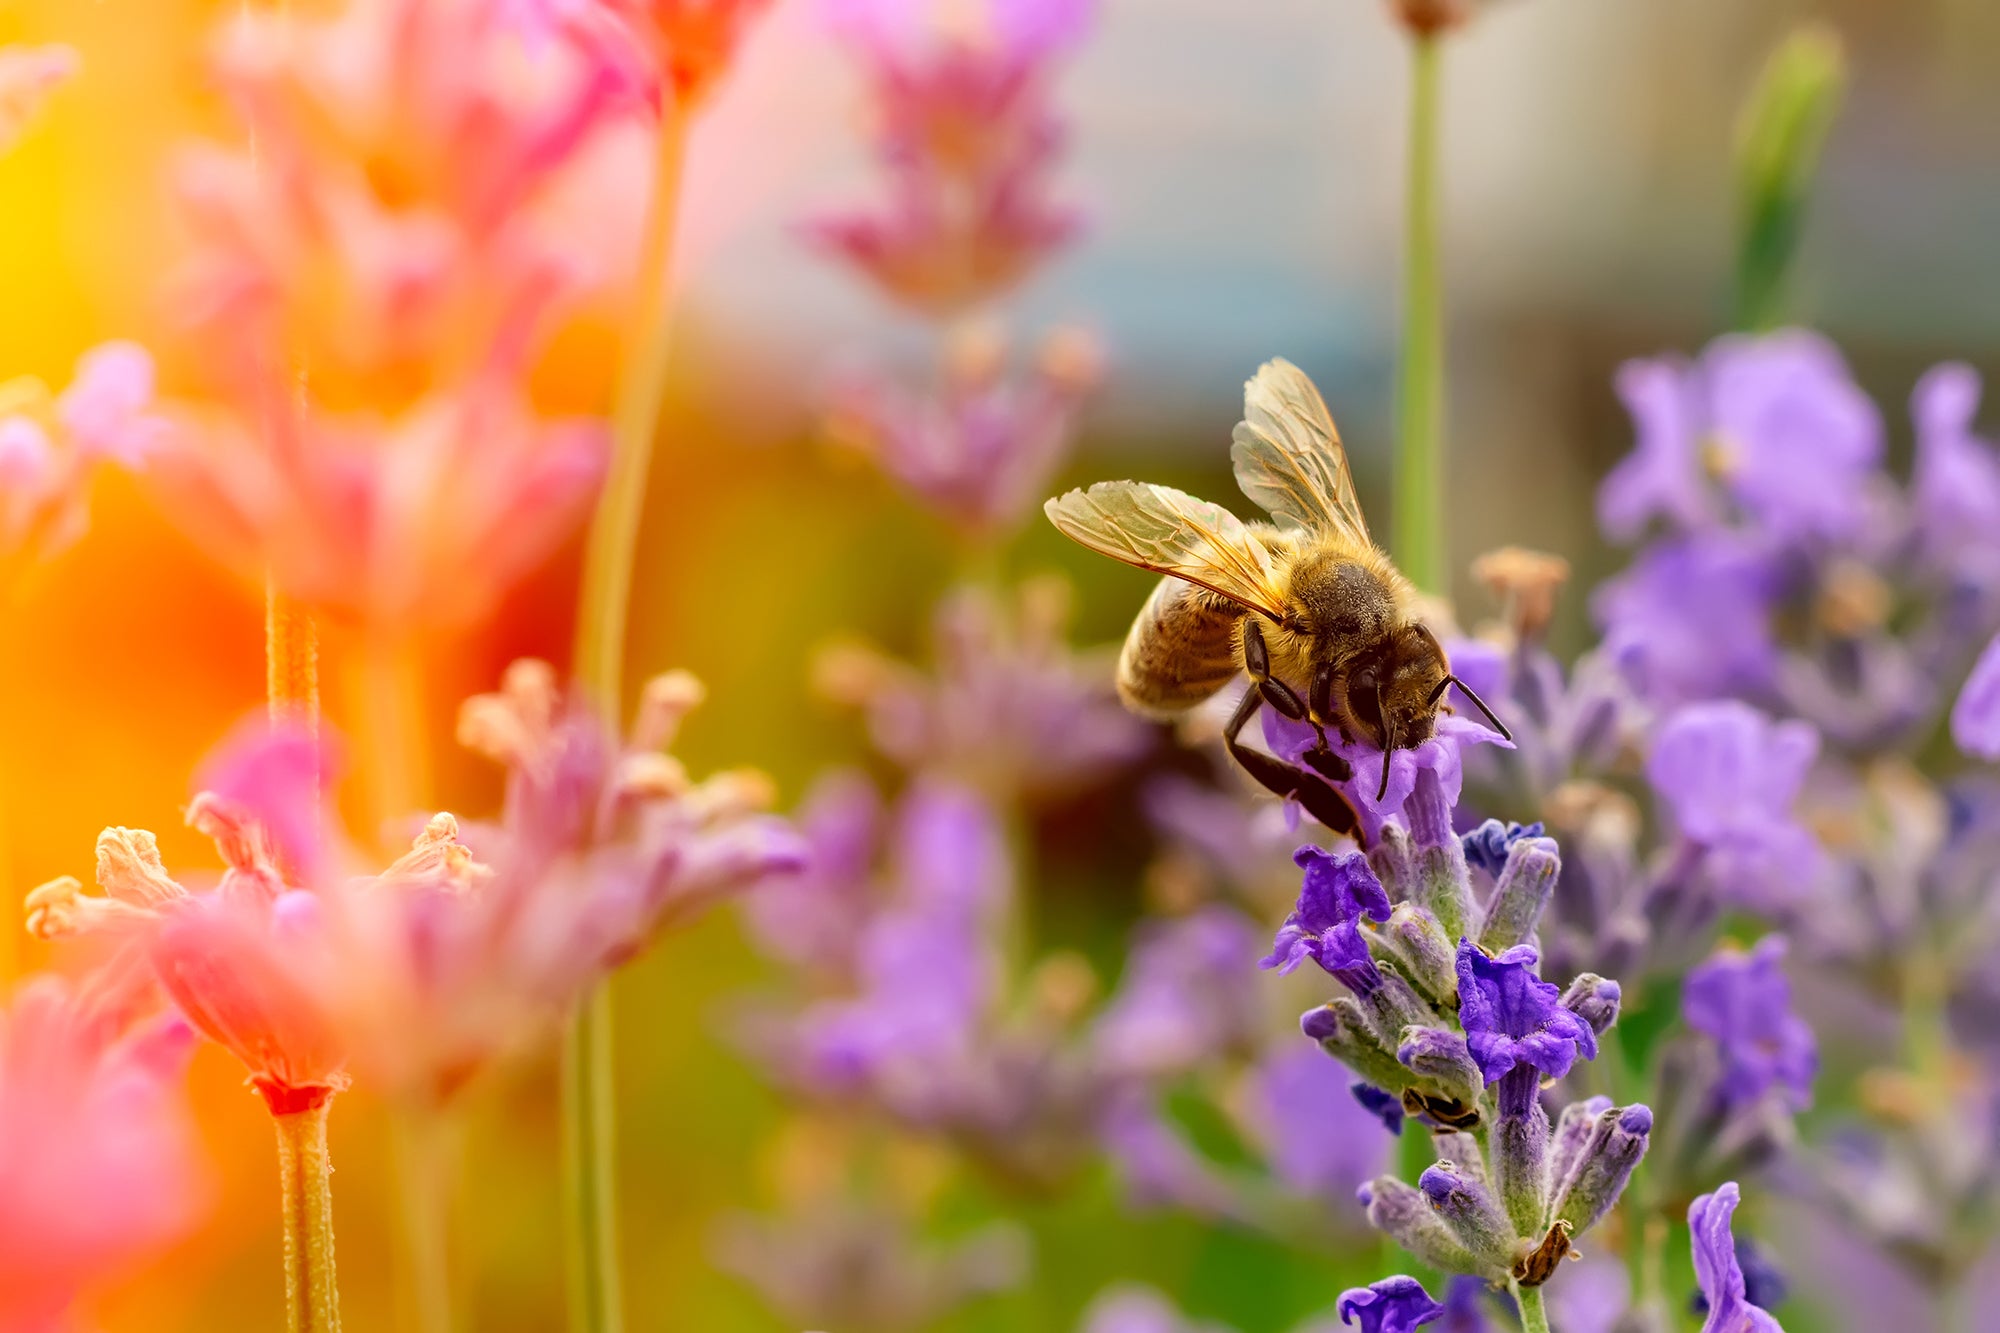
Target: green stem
305,1175
1420,400
424,1173
1534,1319
596,1302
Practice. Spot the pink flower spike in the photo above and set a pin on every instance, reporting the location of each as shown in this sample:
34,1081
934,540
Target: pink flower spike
104,409
97,1156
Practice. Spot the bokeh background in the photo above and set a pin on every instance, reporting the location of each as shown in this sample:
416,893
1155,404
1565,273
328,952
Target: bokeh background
1240,161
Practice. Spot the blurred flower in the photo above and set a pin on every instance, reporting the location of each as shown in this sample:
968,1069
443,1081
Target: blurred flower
28,74
1731,776
51,446
1185,999
1392,1305
981,448
967,137
1689,619
1321,1140
97,1155
1012,711
1956,484
1716,1268
684,45
1975,718
416,521
1743,1003
1131,1308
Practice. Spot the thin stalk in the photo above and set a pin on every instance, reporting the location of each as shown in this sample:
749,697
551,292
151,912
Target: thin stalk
1420,399
596,1301
424,1169
1534,1319
291,659
305,1175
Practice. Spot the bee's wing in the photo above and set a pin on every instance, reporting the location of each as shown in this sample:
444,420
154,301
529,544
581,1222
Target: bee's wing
1288,456
1171,532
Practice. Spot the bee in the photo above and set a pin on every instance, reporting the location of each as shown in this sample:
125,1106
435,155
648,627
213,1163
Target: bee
1306,605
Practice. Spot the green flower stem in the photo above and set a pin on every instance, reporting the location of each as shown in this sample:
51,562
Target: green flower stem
424,1152
1420,399
1534,1319
596,1301
305,1175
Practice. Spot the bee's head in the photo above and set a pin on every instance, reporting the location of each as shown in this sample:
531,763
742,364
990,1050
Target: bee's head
1395,694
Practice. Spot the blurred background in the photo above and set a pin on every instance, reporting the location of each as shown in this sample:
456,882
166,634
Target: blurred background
1240,164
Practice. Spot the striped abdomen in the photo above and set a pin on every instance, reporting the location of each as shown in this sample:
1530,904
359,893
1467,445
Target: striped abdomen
1181,650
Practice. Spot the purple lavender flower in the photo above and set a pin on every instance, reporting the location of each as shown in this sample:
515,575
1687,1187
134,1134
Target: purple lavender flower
1730,775
1662,475
1512,1017
1185,998
1690,619
1956,486
1393,1305
1743,1003
1716,1268
1384,1106
1487,846
812,919
1440,756
1975,718
1320,1141
1131,1308
1338,891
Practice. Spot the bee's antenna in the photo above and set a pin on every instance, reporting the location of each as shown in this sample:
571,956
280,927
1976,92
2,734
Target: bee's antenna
1388,744
1466,690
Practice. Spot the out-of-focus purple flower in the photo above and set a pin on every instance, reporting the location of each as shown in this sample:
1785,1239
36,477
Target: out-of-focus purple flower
1158,1166
1731,776
1743,1003
1662,476
97,1155
1338,891
1690,619
1392,1305
1591,1298
1131,1308
968,138
1012,711
1186,996
1716,1268
811,919
1320,1141
1512,1017
981,448
1956,486
1975,718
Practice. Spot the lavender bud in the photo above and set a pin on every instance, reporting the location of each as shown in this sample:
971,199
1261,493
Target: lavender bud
1394,1005
1471,1214
1405,1216
1463,1150
1520,1146
1444,885
1344,1033
1438,1056
1594,1000
1428,812
1573,1131
1521,893
1604,1166
1393,860
1424,952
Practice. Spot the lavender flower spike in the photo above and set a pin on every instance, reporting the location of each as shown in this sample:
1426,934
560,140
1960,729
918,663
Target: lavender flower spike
1716,1269
1512,1017
1338,891
1393,1305
1975,718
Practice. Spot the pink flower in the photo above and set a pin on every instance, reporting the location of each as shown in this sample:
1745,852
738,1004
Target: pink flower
50,445
97,1164
28,74
982,447
418,520
683,47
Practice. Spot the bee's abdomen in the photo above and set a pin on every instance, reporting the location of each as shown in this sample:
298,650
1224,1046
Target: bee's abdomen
1182,649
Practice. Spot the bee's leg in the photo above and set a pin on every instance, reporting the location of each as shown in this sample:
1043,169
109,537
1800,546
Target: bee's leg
1322,802
1319,706
1257,661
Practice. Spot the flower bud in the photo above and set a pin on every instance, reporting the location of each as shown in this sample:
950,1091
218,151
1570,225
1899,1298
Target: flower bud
1523,890
1444,885
1394,1005
1438,1057
1520,1145
1573,1131
1345,1034
1471,1214
1594,1000
1617,1142
1393,860
1426,955
1405,1216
